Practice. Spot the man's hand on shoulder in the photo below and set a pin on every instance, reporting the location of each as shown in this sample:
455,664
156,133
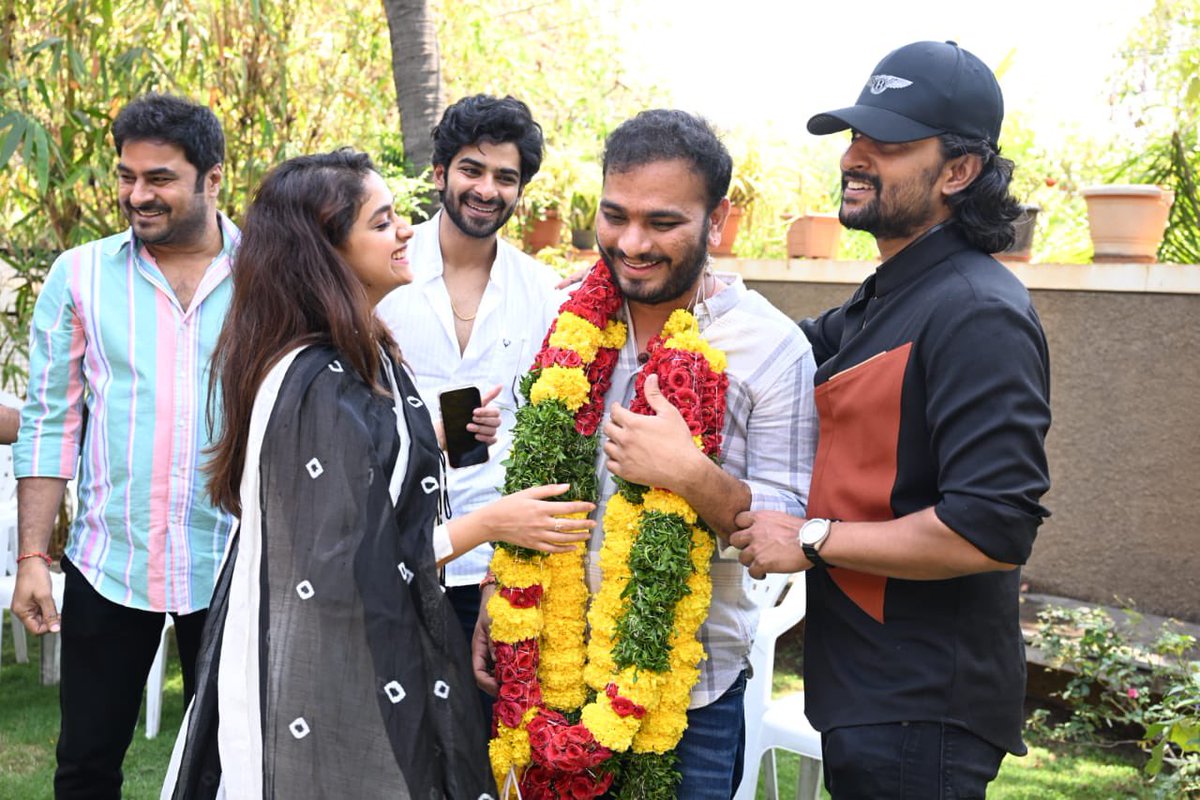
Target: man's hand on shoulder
574,278
769,542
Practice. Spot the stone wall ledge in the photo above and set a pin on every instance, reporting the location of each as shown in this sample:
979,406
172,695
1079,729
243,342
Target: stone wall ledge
1137,278
1140,630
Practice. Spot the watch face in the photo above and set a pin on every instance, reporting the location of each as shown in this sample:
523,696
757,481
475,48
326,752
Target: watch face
814,531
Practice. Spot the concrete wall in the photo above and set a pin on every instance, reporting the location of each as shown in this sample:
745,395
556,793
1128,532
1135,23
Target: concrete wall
1124,446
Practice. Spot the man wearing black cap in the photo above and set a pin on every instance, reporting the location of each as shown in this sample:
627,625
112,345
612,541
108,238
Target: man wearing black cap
932,390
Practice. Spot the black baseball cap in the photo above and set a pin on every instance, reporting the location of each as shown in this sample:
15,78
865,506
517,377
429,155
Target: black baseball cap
921,90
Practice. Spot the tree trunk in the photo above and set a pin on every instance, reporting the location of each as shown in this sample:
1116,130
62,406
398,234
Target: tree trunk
417,72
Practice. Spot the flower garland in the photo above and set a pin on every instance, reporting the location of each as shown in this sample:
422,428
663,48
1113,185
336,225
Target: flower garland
642,657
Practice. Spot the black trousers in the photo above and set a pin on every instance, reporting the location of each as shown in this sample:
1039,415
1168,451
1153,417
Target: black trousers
107,650
465,601
908,761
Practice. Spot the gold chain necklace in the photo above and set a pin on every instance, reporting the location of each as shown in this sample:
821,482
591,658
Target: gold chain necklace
459,316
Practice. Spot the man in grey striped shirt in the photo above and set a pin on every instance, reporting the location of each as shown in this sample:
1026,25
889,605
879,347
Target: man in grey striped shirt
665,178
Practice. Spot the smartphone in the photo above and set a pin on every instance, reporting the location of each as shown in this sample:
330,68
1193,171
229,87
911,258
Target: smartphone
458,406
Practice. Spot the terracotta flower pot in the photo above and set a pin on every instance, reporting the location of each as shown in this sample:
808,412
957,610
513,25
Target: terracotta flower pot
543,232
814,236
729,234
1127,222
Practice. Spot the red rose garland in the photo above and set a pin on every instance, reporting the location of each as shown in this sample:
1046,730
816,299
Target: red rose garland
542,669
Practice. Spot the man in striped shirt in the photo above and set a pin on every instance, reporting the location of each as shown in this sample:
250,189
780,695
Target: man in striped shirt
118,383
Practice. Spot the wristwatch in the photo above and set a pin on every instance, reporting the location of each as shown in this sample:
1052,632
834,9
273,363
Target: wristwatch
812,535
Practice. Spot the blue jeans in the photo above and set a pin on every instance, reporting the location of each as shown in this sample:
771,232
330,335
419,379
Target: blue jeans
903,760
713,746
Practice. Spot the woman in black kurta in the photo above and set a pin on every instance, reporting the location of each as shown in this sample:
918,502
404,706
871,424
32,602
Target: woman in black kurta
332,665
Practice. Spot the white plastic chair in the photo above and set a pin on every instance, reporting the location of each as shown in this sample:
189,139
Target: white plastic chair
154,683
777,723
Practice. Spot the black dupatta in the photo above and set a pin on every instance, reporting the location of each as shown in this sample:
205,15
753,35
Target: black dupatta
364,685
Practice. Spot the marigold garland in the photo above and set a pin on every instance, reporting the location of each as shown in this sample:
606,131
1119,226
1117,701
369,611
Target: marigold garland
642,657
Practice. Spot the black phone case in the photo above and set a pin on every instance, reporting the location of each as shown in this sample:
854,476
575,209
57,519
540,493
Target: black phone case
462,448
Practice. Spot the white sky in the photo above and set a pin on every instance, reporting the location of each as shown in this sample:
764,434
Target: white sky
771,64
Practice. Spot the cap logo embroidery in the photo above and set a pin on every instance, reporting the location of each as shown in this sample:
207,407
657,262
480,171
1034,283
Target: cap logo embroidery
881,83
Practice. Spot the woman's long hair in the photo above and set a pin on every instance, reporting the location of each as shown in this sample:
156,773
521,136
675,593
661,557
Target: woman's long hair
290,287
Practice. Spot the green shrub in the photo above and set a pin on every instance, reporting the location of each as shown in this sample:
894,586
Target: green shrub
1117,686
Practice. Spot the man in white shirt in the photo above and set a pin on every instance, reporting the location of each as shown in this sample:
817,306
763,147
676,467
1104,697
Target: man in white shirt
663,205
478,308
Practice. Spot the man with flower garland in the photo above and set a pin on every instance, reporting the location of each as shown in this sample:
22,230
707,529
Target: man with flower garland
933,392
663,204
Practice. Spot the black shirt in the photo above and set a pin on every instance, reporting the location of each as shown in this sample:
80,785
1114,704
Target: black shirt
933,390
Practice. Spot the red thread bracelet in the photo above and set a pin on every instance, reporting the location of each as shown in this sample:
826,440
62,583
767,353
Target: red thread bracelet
37,554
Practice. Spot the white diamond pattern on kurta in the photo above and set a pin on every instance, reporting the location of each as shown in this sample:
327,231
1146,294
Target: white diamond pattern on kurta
315,470
394,691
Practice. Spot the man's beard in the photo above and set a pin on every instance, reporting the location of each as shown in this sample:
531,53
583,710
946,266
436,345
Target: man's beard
453,207
906,212
185,228
680,278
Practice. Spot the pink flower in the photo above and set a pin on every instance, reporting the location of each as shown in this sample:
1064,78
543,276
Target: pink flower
1132,692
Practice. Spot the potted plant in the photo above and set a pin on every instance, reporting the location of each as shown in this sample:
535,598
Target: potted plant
1173,160
1022,247
743,191
582,218
1127,221
541,225
814,236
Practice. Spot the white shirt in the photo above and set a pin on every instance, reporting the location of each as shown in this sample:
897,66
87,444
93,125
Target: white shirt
516,310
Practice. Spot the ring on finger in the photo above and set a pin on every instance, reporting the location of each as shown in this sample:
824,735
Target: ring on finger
557,525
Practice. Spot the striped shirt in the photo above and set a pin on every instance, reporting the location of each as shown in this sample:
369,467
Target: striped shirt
109,335
770,441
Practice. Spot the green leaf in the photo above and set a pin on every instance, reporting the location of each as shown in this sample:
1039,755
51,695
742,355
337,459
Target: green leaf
52,41
646,776
1186,734
40,155
16,129
75,176
659,563
1154,765
78,69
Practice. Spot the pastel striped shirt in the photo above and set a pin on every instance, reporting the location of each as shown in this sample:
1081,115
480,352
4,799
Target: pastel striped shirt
109,335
